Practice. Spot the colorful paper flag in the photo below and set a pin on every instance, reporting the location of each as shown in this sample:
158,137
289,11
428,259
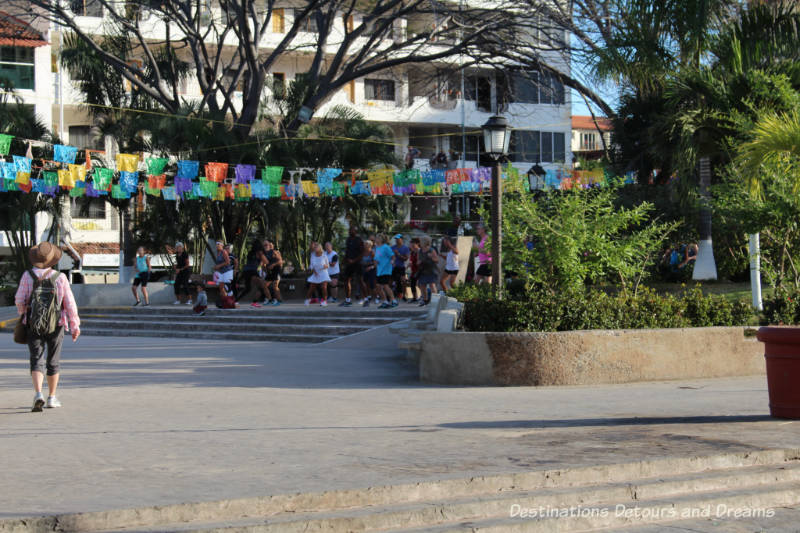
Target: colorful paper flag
64,154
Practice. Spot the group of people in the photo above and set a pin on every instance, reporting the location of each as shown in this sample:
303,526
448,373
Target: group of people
381,272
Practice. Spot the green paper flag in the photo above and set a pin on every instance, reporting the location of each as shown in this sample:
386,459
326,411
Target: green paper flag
155,165
272,175
50,178
77,191
5,143
11,185
152,192
118,193
102,178
209,188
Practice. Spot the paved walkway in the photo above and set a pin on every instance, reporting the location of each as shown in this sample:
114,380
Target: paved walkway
149,421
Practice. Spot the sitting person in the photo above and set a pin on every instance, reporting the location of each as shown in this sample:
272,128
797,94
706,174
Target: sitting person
201,301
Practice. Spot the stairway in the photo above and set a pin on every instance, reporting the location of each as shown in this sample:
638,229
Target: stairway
621,496
287,323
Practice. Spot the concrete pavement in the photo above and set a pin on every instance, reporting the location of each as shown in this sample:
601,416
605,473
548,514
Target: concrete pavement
152,422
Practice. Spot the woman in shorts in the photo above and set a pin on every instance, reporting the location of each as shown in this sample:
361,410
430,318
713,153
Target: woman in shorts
383,257
484,272
451,264
319,277
368,274
141,266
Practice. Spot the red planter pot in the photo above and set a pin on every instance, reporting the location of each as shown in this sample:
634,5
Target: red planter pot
782,351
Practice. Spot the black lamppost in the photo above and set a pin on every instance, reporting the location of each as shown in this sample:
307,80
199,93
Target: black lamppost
496,136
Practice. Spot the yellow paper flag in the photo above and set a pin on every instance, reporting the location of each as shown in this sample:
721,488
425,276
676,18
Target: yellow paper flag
127,162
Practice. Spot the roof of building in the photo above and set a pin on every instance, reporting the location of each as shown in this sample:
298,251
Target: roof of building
16,32
581,122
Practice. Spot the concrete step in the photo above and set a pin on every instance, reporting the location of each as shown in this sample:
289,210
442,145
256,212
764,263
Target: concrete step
188,324
332,310
210,335
610,493
222,318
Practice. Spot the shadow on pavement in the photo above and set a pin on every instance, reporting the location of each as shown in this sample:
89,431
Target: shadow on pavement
606,422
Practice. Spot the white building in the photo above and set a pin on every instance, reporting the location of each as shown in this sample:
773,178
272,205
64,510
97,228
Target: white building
590,140
421,104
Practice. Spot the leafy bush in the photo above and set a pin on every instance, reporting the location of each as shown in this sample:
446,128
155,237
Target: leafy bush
542,310
783,307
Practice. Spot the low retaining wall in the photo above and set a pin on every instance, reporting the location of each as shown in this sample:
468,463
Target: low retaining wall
96,294
589,357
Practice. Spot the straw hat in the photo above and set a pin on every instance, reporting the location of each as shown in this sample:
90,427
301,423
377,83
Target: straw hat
44,255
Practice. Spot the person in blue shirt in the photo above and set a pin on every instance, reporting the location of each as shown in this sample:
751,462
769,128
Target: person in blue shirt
141,266
383,256
401,254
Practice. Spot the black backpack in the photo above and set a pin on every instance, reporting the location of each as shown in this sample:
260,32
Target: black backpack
44,310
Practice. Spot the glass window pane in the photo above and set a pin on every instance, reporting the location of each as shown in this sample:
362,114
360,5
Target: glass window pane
547,147
559,153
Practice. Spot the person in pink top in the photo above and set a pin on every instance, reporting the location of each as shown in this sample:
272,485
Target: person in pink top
43,256
484,272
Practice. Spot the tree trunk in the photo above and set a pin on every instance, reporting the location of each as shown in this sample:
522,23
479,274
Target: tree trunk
705,267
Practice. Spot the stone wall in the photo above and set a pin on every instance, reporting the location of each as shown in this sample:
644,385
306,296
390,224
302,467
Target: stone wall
588,357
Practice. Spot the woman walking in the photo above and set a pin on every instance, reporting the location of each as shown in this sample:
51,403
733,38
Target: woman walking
383,256
254,262
368,277
141,266
319,277
45,322
428,270
484,272
182,273
451,264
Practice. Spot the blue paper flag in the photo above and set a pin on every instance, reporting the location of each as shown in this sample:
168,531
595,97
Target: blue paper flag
22,164
64,154
188,169
129,181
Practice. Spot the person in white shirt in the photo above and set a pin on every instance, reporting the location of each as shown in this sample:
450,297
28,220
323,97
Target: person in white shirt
451,265
333,270
319,274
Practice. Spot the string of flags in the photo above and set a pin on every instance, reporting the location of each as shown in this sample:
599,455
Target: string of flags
220,181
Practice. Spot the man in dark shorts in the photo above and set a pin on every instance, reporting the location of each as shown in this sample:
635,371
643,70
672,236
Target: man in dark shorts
354,249
401,254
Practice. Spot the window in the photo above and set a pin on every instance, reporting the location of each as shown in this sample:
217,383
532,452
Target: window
279,84
479,89
16,67
538,147
278,21
309,23
559,147
94,208
80,136
379,89
525,88
86,8
524,146
588,141
547,147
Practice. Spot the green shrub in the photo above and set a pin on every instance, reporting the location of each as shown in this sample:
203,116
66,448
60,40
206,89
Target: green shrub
783,307
543,310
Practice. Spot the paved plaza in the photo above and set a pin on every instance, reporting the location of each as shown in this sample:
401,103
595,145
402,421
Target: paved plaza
150,421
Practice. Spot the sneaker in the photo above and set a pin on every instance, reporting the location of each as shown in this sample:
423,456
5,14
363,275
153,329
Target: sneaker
345,304
189,302
384,305
334,300
176,302
147,304
276,302
38,403
324,303
393,304
366,303
137,303
422,303
201,313
255,304
52,402
307,302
